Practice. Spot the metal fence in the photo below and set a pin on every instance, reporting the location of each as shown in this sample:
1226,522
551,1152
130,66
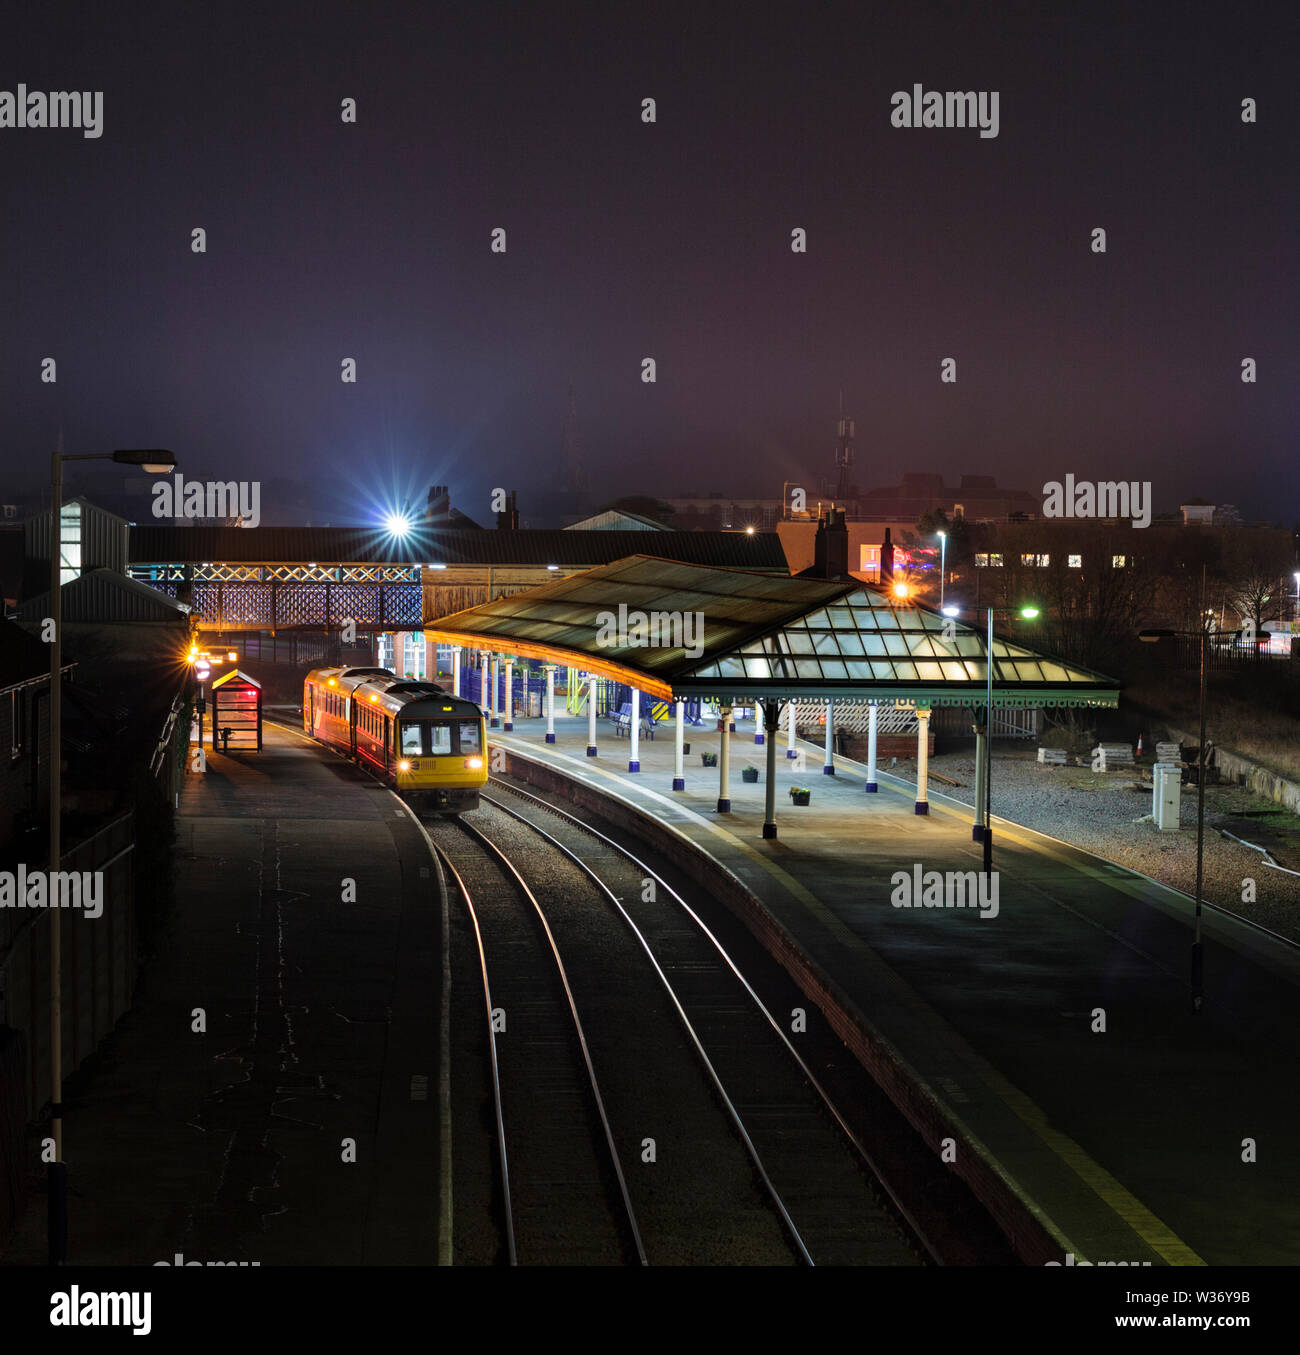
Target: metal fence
852,719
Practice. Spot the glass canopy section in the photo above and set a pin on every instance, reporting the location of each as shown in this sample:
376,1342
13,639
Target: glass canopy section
678,630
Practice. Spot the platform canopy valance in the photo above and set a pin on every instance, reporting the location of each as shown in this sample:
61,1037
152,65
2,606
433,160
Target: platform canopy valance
677,630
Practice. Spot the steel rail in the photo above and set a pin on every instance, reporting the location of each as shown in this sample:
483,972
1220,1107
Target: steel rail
823,1095
508,865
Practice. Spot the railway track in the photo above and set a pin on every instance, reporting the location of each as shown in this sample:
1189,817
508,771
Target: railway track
716,1142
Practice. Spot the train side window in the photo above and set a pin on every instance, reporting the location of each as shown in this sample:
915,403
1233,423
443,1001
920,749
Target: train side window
469,740
411,738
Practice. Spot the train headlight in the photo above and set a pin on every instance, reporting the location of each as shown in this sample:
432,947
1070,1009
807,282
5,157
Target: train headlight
474,763
403,766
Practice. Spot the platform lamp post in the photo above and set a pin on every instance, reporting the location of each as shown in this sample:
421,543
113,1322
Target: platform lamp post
1198,954
1028,613
156,463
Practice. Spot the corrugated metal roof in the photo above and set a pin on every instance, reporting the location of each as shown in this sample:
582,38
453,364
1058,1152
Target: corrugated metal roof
100,595
684,630
353,545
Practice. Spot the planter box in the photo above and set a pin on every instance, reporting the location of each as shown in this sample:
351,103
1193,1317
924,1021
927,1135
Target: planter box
749,774
801,798
709,759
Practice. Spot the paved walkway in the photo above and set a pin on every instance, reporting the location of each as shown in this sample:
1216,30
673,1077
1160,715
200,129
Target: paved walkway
229,1145
1129,1141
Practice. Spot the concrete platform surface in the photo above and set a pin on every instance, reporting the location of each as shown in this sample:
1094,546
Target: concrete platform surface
233,1144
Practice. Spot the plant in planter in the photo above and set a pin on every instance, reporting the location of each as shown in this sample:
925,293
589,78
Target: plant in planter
801,795
686,747
709,759
749,773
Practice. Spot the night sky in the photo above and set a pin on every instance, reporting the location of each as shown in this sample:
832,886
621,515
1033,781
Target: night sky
671,241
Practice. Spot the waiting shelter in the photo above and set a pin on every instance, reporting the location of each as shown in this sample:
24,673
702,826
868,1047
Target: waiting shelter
675,631
236,712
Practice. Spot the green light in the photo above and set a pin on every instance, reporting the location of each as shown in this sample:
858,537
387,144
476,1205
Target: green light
1029,613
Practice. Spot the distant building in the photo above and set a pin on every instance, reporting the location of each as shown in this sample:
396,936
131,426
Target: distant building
615,520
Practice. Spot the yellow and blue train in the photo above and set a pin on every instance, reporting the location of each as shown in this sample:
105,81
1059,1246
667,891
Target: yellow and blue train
428,745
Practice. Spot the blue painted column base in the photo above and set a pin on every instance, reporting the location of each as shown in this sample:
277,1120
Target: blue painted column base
769,830
494,723
724,806
550,738
828,771
508,726
792,752
977,832
679,783
871,788
922,806
758,739
591,750
634,766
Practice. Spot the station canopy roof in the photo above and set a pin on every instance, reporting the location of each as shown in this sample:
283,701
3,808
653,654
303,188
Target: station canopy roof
677,630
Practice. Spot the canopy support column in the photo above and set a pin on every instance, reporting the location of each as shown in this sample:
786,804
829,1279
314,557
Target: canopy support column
483,680
550,703
772,719
510,694
679,737
455,670
634,732
872,722
922,761
591,715
724,763
758,722
828,769
792,710
496,678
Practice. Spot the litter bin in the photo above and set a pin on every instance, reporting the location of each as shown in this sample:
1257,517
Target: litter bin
1166,795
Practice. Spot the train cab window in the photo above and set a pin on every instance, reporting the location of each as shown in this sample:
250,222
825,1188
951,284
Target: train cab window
440,737
469,736
411,742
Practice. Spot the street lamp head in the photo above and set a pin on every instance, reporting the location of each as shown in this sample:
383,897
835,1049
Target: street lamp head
1029,613
157,461
951,611
900,589
398,524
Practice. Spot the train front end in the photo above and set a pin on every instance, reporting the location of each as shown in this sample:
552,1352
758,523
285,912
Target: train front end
442,756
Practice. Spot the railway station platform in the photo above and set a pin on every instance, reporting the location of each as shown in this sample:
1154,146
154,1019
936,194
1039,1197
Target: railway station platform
1053,1042
304,1113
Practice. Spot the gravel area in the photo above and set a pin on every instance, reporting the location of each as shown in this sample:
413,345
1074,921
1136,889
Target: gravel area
1104,812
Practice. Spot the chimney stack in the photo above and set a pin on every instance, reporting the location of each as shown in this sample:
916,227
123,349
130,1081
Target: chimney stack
437,508
508,518
831,546
886,561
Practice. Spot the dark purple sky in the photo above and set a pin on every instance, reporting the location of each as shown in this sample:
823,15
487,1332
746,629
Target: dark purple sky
670,241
